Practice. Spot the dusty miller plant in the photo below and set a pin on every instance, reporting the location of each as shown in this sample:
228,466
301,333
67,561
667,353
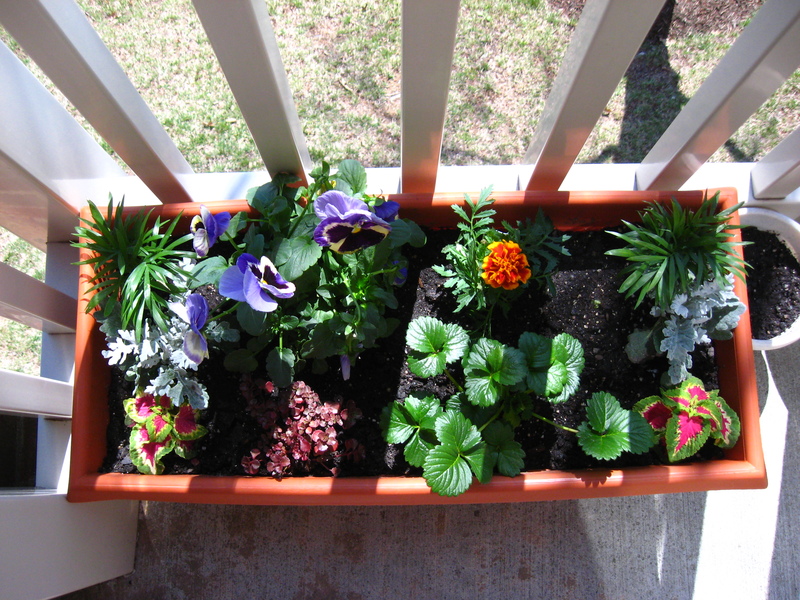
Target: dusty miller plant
157,362
684,262
708,312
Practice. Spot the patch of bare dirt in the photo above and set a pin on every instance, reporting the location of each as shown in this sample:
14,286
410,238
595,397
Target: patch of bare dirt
685,17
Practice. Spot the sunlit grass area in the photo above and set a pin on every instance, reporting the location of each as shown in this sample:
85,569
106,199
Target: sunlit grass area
343,62
20,346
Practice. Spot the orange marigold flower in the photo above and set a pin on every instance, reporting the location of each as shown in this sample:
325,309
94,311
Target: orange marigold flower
505,266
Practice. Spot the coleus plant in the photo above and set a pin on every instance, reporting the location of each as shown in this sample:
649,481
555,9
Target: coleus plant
472,431
685,417
158,428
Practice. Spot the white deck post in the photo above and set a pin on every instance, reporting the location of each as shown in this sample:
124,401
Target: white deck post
243,39
429,33
603,45
63,43
778,174
766,53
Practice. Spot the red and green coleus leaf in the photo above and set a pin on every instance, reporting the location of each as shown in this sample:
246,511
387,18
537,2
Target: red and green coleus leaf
685,435
146,454
185,425
688,415
142,406
690,393
655,411
726,431
159,427
186,448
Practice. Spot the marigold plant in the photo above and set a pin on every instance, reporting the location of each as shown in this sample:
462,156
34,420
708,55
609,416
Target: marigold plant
505,266
489,266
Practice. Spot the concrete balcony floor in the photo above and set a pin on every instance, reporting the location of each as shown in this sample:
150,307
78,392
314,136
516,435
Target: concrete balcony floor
727,544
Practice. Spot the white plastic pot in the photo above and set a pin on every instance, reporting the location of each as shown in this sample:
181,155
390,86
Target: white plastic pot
788,229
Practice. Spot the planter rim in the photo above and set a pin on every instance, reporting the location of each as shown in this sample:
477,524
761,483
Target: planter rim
789,230
742,468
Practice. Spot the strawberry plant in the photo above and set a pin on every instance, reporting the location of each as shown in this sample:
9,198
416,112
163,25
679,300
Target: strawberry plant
471,433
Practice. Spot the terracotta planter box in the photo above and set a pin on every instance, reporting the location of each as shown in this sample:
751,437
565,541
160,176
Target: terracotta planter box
742,467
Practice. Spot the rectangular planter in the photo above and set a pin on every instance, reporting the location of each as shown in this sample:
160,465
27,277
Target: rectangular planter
742,467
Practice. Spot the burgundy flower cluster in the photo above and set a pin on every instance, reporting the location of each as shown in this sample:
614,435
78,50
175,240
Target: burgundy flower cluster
300,430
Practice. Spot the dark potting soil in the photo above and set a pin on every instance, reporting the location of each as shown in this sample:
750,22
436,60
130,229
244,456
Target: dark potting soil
585,304
773,283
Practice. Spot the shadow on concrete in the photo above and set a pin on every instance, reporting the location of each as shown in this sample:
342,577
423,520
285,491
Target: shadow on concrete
784,581
557,550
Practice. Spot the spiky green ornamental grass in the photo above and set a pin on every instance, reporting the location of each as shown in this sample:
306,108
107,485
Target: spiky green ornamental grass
673,247
135,265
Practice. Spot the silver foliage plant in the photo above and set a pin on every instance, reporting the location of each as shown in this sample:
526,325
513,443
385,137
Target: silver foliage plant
708,311
157,364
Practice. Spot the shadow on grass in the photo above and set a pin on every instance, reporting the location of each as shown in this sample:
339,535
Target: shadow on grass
652,99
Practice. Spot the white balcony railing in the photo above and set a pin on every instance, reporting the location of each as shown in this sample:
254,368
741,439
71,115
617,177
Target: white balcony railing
49,166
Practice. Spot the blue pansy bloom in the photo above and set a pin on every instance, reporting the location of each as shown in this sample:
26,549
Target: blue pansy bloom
347,224
195,313
256,282
344,362
401,276
207,228
388,210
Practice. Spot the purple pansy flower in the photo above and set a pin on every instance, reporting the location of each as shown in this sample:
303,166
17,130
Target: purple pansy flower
401,276
388,210
256,282
344,362
195,313
347,224
213,226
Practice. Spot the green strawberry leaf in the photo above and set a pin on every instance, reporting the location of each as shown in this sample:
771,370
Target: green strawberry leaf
611,430
446,471
400,420
488,367
449,467
505,452
433,345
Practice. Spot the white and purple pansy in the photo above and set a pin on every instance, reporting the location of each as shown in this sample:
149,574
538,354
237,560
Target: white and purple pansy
195,313
207,229
347,224
256,282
